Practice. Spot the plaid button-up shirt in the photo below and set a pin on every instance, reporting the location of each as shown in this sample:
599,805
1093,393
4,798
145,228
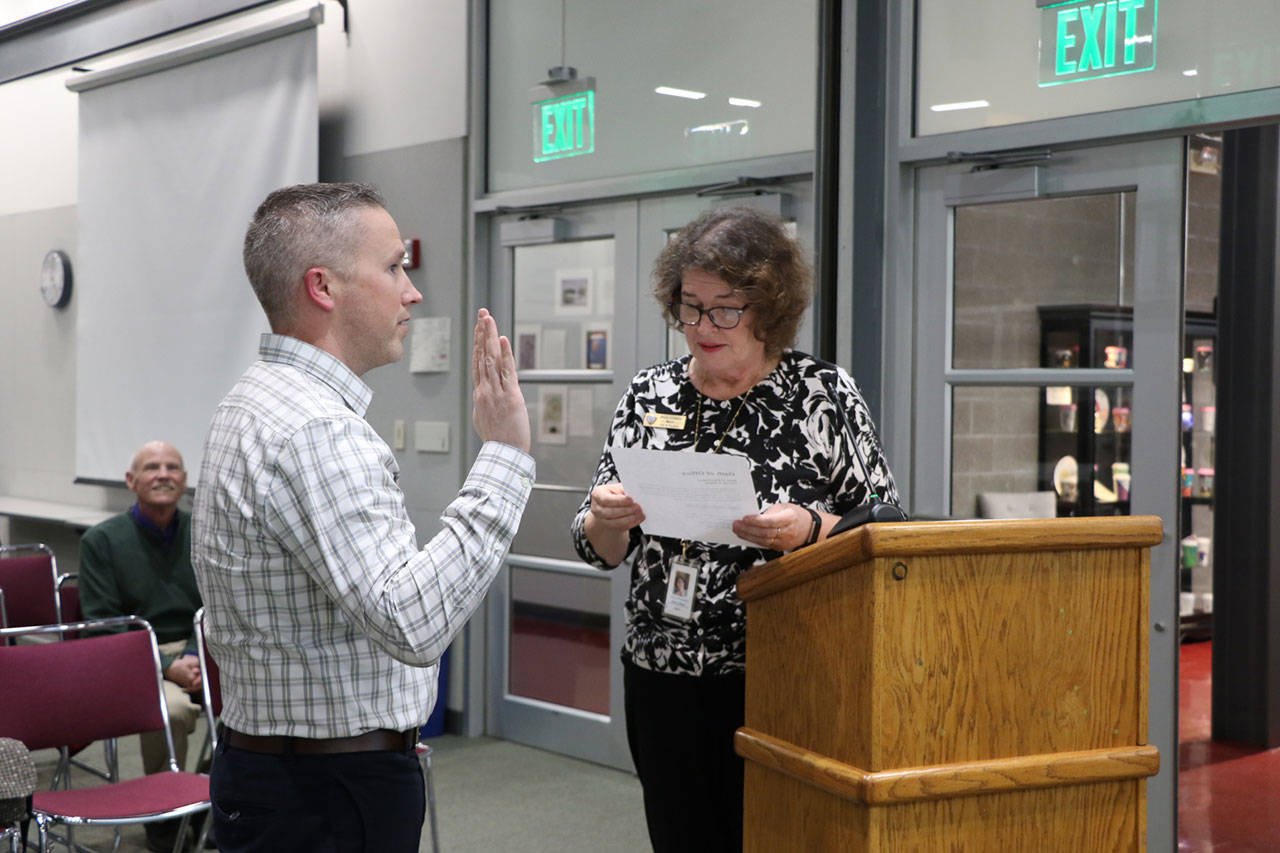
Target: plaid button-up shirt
324,616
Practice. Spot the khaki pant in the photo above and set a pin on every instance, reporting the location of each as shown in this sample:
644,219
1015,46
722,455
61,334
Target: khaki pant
183,714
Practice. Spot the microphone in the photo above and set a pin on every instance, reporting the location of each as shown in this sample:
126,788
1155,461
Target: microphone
874,510
17,781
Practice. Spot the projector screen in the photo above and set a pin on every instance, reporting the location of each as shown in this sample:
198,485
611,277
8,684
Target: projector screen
172,164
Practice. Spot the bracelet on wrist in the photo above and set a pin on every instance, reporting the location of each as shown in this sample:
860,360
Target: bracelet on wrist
816,530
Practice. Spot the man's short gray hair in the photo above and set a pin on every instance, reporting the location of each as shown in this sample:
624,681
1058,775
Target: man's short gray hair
297,228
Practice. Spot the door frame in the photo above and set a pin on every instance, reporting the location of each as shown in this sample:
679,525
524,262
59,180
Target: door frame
1156,170
639,227
570,731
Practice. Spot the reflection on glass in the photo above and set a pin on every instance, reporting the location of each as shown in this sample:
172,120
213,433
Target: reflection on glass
563,305
677,85
1199,422
559,644
1199,388
564,309
544,527
1041,451
1030,61
1017,262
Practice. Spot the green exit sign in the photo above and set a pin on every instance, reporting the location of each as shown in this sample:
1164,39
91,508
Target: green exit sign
1085,41
564,126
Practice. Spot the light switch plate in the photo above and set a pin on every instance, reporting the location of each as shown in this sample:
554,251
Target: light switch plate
397,434
431,436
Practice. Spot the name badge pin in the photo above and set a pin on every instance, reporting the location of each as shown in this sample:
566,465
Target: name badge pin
663,420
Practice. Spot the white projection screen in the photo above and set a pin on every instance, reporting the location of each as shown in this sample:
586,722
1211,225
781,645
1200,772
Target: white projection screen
172,165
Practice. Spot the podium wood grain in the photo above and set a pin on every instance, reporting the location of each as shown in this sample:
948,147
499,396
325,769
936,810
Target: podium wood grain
951,685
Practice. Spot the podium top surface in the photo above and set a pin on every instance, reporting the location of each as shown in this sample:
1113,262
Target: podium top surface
927,538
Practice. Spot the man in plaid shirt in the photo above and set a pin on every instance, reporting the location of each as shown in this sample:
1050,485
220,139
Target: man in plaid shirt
325,617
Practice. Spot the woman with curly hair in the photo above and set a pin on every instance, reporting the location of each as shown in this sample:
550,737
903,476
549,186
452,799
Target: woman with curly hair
737,284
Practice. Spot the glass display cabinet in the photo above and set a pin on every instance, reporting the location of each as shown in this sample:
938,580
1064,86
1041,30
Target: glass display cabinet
1086,434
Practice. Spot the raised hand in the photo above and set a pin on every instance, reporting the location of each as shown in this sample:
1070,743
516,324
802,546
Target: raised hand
498,412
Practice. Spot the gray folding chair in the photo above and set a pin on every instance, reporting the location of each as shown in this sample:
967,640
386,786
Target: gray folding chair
424,758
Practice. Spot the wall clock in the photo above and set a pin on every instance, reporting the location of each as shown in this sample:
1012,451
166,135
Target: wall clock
55,278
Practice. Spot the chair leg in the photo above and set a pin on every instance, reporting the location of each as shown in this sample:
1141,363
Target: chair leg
62,771
424,758
110,754
179,840
13,833
205,751
205,826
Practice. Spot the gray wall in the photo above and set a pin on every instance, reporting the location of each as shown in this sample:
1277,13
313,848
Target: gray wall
38,384
380,123
424,186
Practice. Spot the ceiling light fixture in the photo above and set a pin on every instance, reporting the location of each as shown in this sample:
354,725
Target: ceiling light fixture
738,127
680,93
745,102
960,105
561,79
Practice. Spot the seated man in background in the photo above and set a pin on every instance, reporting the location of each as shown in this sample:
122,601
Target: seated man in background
139,563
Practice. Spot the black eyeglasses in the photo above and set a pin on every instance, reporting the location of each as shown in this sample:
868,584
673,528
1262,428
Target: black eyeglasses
721,316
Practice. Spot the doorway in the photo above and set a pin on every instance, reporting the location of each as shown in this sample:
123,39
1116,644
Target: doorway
575,282
1049,318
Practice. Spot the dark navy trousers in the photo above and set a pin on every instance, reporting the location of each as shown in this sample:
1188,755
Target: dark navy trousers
359,801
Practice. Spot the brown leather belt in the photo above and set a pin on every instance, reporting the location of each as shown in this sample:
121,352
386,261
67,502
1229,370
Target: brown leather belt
378,739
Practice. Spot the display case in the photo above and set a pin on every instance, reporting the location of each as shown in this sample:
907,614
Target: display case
1199,431
1086,433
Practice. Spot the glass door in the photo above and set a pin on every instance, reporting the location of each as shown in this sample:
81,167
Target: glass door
1049,331
576,285
568,283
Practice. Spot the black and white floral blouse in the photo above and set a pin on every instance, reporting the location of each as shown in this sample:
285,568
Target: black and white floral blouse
790,430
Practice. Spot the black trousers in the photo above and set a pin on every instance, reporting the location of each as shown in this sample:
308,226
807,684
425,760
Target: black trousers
680,729
348,803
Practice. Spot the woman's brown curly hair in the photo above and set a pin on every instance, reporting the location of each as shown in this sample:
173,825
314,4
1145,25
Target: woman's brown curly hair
752,252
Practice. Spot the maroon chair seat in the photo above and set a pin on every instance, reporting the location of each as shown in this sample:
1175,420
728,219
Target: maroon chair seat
170,794
90,689
34,593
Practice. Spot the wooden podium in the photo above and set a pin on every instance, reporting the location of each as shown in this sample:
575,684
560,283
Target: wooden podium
953,685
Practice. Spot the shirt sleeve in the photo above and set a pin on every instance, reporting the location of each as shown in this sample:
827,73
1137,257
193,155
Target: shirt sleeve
99,592
877,477
336,507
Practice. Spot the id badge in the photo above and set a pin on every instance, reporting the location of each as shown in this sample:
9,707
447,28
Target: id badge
682,589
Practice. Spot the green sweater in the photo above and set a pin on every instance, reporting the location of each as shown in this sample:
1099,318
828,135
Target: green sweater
126,569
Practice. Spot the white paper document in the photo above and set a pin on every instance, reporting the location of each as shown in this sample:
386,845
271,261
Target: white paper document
688,495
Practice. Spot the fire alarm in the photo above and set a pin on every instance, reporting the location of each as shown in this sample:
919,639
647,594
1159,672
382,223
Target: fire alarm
411,253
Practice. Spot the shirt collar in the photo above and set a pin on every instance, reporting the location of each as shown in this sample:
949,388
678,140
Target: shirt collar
314,361
164,534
